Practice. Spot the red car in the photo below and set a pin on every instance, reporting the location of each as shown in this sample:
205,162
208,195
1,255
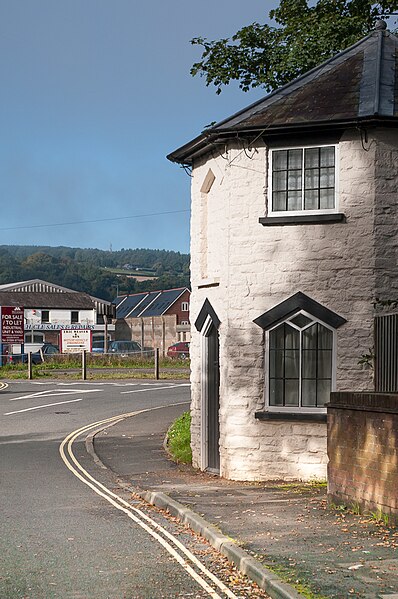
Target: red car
179,350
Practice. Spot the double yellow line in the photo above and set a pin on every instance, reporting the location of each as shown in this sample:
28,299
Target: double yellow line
169,542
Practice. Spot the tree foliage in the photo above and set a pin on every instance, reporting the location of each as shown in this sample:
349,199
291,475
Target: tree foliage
85,269
304,35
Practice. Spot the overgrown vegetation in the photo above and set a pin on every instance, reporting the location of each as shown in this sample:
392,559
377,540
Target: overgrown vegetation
179,439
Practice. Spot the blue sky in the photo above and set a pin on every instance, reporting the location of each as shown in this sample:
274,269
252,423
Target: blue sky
94,95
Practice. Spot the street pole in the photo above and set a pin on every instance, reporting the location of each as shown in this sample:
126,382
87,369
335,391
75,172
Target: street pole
157,363
84,365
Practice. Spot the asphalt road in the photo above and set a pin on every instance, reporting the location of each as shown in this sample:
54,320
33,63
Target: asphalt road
59,537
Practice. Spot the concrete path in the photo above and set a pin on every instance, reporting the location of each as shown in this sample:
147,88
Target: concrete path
289,528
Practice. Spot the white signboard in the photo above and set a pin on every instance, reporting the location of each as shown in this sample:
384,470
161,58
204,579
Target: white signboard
75,341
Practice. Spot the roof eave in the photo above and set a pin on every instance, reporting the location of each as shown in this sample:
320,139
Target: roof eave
188,153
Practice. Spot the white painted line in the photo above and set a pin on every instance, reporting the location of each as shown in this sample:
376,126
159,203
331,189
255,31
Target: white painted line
54,393
45,406
155,388
137,515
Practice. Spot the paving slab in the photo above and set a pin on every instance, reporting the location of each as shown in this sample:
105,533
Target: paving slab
287,527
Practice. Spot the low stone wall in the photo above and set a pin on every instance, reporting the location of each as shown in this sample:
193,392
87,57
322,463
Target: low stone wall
363,450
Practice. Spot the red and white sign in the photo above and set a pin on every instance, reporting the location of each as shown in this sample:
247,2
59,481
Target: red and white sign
12,324
75,341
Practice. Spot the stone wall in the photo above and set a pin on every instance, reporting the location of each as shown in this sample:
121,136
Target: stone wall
249,269
149,331
363,450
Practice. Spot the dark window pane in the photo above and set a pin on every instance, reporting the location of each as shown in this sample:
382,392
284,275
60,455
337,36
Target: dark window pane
327,199
277,338
311,157
276,392
300,320
292,393
279,200
310,337
325,337
295,159
323,392
308,394
311,199
292,338
276,363
325,364
294,200
294,180
292,361
279,181
327,156
279,160
309,358
312,179
327,177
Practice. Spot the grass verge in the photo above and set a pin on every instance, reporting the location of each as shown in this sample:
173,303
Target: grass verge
179,439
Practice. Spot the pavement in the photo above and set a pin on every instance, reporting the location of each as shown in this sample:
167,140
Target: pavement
285,537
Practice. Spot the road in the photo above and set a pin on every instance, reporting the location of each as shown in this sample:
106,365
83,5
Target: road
67,530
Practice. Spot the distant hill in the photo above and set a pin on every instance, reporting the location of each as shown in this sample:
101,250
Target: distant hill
98,272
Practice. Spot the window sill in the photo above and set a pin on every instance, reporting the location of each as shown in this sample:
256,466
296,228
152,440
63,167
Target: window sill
302,219
291,416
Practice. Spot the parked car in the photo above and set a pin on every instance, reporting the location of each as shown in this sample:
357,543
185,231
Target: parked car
124,347
48,349
98,346
179,350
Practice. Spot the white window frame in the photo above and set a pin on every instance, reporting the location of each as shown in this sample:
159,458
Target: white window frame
334,210
298,409
184,306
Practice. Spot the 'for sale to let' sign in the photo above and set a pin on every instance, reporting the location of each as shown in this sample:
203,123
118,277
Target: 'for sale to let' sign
12,324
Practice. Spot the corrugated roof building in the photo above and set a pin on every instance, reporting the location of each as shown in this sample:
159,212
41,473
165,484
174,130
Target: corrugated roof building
154,319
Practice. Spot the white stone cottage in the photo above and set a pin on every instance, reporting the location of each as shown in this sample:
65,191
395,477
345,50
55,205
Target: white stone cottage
293,236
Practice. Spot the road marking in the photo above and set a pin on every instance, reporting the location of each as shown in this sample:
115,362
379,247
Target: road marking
54,393
58,403
135,514
154,388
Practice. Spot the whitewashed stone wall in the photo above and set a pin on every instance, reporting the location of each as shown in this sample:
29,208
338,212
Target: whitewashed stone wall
341,266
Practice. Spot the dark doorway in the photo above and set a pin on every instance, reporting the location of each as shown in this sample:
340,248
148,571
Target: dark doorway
212,394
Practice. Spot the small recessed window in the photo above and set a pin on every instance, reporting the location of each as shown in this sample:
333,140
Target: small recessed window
185,306
208,182
45,316
303,180
74,317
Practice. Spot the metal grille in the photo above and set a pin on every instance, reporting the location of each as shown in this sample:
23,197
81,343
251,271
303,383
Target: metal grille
386,353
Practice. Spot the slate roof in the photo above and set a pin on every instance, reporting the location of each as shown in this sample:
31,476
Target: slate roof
357,85
37,286
62,301
154,303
